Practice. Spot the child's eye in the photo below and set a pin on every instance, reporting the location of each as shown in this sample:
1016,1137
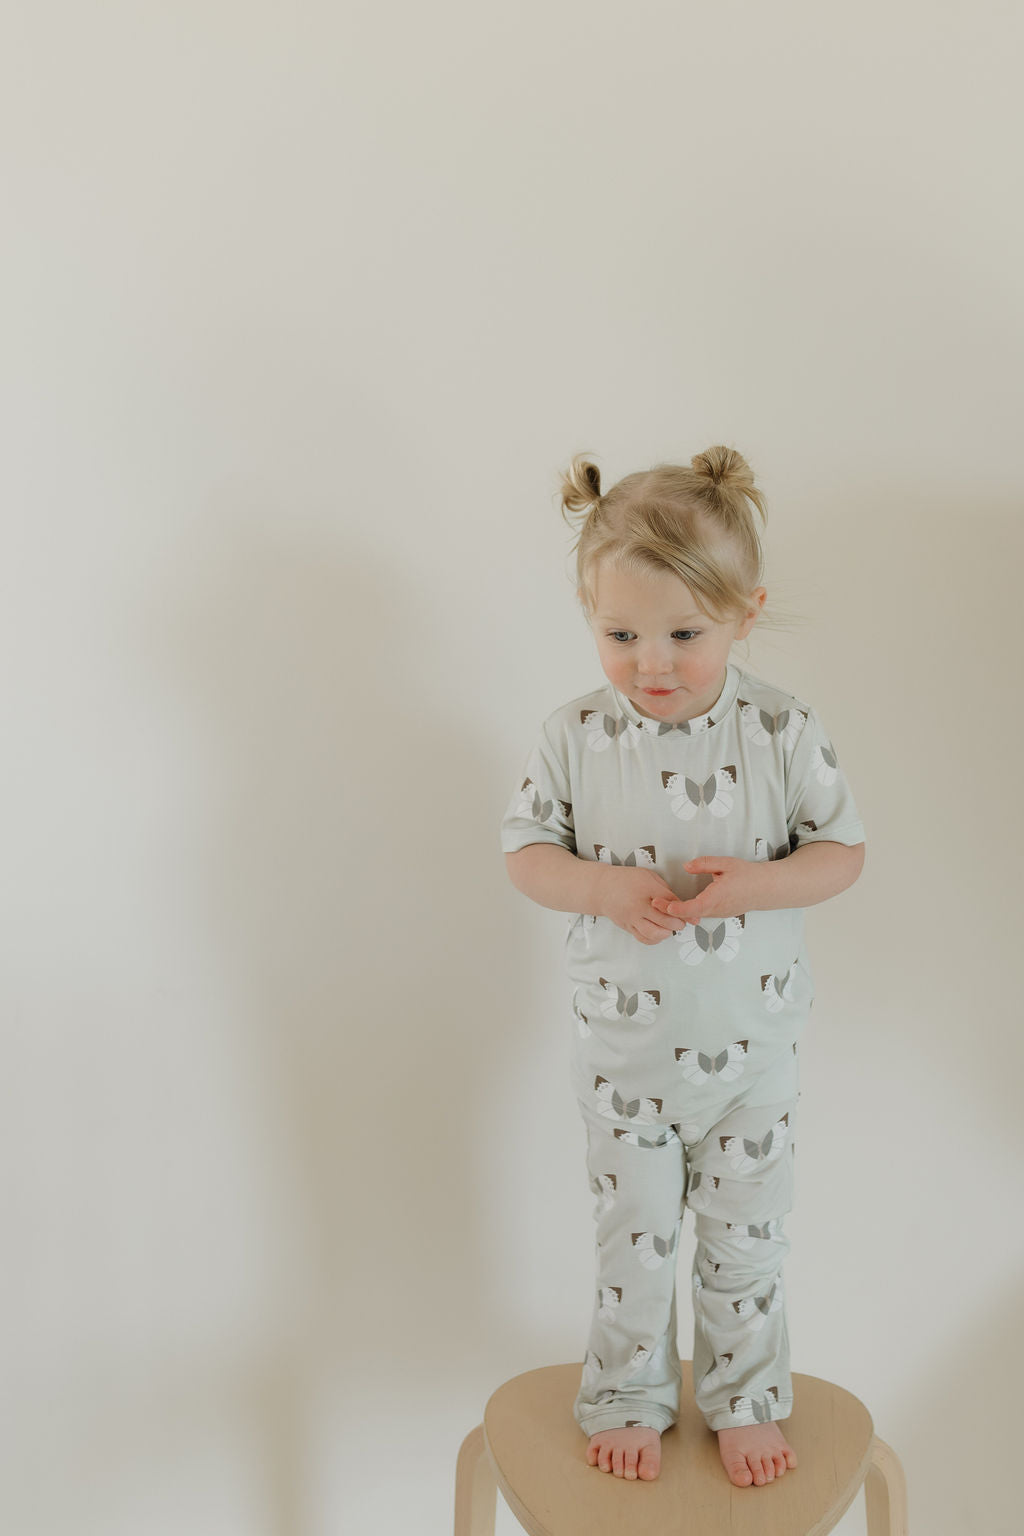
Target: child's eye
622,635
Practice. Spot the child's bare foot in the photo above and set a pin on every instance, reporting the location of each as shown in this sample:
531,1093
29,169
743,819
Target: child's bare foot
629,1453
755,1453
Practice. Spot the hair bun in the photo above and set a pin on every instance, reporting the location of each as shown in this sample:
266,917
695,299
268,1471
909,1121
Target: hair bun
581,485
723,466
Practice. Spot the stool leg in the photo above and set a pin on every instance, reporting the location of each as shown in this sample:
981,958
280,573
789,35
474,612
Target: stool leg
476,1488
885,1492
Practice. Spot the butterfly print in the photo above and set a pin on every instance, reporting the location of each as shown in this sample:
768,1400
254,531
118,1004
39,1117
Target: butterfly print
634,1139
763,849
637,1362
608,1297
745,1153
687,797
695,727
604,1186
603,729
582,1022
778,990
753,1411
746,1237
611,1103
698,1067
702,1188
762,727
641,858
754,1310
533,807
723,939
719,1372
617,1004
652,1250
592,1368
825,764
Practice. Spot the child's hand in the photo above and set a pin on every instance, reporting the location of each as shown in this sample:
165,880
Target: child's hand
627,896
736,885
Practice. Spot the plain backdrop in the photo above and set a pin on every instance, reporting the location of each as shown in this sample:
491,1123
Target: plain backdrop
305,306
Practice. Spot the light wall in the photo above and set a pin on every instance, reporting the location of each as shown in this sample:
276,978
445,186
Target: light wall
305,308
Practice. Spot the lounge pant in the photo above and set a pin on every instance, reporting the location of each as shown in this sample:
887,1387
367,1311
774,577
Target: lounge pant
736,1175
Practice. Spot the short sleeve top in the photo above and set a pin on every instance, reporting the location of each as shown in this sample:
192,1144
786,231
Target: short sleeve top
755,777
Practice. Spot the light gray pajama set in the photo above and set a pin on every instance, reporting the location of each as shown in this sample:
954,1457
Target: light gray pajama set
684,1053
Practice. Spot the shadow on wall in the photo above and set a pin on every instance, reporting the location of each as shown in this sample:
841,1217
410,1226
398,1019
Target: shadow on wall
331,836
954,1427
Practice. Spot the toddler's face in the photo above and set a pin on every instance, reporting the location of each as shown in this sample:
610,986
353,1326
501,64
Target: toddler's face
657,647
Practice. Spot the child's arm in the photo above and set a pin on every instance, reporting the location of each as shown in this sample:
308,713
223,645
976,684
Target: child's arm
811,873
555,877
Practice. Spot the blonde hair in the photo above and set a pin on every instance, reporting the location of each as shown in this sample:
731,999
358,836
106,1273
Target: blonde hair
695,521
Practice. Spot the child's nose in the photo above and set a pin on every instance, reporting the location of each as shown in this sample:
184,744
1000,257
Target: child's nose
654,661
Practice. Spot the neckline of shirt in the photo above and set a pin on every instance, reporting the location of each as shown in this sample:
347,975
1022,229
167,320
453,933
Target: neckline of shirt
695,727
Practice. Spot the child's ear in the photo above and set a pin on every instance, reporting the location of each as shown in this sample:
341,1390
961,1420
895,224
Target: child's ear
757,598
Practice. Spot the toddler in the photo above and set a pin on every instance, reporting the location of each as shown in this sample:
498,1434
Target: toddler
684,812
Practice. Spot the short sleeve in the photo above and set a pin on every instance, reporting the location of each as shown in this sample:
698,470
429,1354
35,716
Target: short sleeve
819,804
540,810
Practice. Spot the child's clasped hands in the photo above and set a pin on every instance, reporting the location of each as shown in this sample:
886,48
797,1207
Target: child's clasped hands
646,906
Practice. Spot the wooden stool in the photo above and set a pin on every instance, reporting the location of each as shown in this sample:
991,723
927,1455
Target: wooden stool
531,1448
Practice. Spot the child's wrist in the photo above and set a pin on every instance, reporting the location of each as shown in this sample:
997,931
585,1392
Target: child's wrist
764,885
594,887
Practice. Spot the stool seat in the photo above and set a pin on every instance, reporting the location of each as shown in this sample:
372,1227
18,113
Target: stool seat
530,1447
